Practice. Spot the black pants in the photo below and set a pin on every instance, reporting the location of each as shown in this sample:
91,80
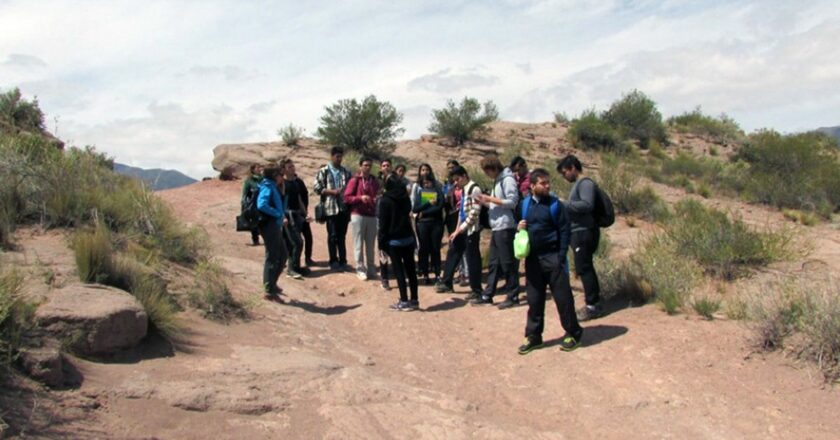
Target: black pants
275,255
294,240
255,235
548,271
502,263
584,244
429,235
451,221
402,258
337,237
457,248
306,230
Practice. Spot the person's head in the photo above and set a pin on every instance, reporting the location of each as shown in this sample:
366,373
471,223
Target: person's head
395,187
427,182
459,176
519,166
336,155
491,165
273,173
288,168
425,170
364,166
385,167
450,164
540,182
400,170
569,167
255,169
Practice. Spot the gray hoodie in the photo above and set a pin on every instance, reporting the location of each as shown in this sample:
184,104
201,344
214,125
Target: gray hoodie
506,189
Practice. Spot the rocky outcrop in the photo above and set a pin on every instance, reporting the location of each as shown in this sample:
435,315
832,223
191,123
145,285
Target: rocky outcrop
45,363
233,160
93,319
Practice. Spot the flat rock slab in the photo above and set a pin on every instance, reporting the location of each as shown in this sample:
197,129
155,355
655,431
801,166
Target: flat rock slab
94,319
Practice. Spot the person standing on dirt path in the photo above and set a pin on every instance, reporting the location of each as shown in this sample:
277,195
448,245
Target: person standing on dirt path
544,218
272,208
330,182
384,259
585,233
360,196
252,184
427,205
296,212
465,239
397,239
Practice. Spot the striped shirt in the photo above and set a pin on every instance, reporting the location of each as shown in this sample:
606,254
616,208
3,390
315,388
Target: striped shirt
331,178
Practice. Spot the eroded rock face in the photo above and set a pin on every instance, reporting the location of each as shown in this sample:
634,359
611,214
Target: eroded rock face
93,319
44,364
233,160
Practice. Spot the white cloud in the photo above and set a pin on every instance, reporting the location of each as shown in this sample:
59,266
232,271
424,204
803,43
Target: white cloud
448,82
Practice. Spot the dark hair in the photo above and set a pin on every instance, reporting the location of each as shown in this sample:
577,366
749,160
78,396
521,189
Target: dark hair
253,167
399,166
452,162
491,162
365,159
336,150
285,162
422,180
384,160
517,161
459,171
537,173
393,182
570,161
271,173
431,172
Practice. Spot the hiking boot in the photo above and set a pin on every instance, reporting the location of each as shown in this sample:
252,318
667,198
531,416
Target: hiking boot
530,344
386,285
589,312
509,302
483,300
402,306
569,342
444,288
292,274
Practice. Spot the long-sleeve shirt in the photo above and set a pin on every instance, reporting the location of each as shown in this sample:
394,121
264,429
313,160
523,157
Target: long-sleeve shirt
428,211
505,189
581,205
329,177
470,209
270,201
362,186
546,232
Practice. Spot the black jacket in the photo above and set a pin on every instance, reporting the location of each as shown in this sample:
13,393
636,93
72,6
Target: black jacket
394,216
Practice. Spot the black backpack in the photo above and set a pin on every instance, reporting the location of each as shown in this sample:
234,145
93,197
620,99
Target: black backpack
249,206
604,213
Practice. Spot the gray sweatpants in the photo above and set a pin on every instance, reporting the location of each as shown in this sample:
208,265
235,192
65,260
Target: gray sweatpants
364,240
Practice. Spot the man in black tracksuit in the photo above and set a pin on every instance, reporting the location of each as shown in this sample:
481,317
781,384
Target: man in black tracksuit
296,212
585,233
548,231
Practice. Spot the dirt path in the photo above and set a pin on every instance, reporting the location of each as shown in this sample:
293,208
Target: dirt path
336,363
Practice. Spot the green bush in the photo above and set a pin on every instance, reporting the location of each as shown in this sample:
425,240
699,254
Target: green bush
93,254
18,114
799,171
290,134
669,276
692,167
369,127
478,176
721,129
706,307
635,116
464,121
724,247
645,203
211,296
620,181
591,132
561,118
16,316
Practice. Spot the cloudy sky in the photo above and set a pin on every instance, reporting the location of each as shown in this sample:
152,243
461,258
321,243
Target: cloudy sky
160,83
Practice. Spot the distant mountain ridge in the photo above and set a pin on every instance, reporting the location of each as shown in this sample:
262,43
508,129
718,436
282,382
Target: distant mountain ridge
156,178
831,131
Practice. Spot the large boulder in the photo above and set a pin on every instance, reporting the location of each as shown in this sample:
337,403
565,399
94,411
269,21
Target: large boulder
93,319
234,160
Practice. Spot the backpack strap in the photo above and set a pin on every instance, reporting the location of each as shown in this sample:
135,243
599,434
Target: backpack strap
555,210
525,205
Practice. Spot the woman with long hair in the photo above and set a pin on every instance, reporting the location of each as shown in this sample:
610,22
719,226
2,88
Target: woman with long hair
397,239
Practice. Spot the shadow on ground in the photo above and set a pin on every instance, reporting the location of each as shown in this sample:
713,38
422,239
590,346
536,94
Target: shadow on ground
314,308
595,334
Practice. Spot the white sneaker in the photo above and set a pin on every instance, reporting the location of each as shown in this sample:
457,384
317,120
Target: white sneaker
362,276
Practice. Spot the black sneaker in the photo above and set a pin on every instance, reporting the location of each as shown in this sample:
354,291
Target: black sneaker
589,312
294,275
305,271
443,288
473,296
415,303
335,267
569,342
509,302
530,345
402,306
310,262
386,285
427,281
483,300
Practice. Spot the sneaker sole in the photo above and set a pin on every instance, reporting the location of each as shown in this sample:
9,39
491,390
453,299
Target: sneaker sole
568,349
536,347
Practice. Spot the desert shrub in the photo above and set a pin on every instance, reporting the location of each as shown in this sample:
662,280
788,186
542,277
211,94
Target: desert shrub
691,167
645,203
561,118
591,132
463,121
93,254
724,247
704,191
211,296
706,306
720,129
158,304
515,147
669,275
478,176
799,171
655,150
18,114
369,127
635,116
620,181
804,217
15,316
290,134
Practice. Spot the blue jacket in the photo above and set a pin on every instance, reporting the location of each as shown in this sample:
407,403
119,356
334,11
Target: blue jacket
545,232
270,202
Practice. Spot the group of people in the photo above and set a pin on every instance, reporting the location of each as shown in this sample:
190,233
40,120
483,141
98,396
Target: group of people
406,221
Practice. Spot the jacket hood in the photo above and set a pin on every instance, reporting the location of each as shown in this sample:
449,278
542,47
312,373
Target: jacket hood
395,188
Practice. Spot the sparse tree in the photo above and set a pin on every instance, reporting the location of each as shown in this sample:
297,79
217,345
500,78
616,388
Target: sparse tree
635,116
18,114
290,134
369,127
465,121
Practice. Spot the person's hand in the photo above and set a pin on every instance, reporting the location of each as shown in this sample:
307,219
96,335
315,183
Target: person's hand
308,219
365,198
285,221
454,234
522,225
433,201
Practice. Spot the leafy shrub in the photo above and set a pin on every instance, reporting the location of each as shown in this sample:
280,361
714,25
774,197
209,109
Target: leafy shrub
561,118
463,121
478,176
18,114
369,127
721,129
706,307
722,246
591,132
93,254
799,171
635,116
15,316
645,203
290,134
621,183
211,296
669,276
690,166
